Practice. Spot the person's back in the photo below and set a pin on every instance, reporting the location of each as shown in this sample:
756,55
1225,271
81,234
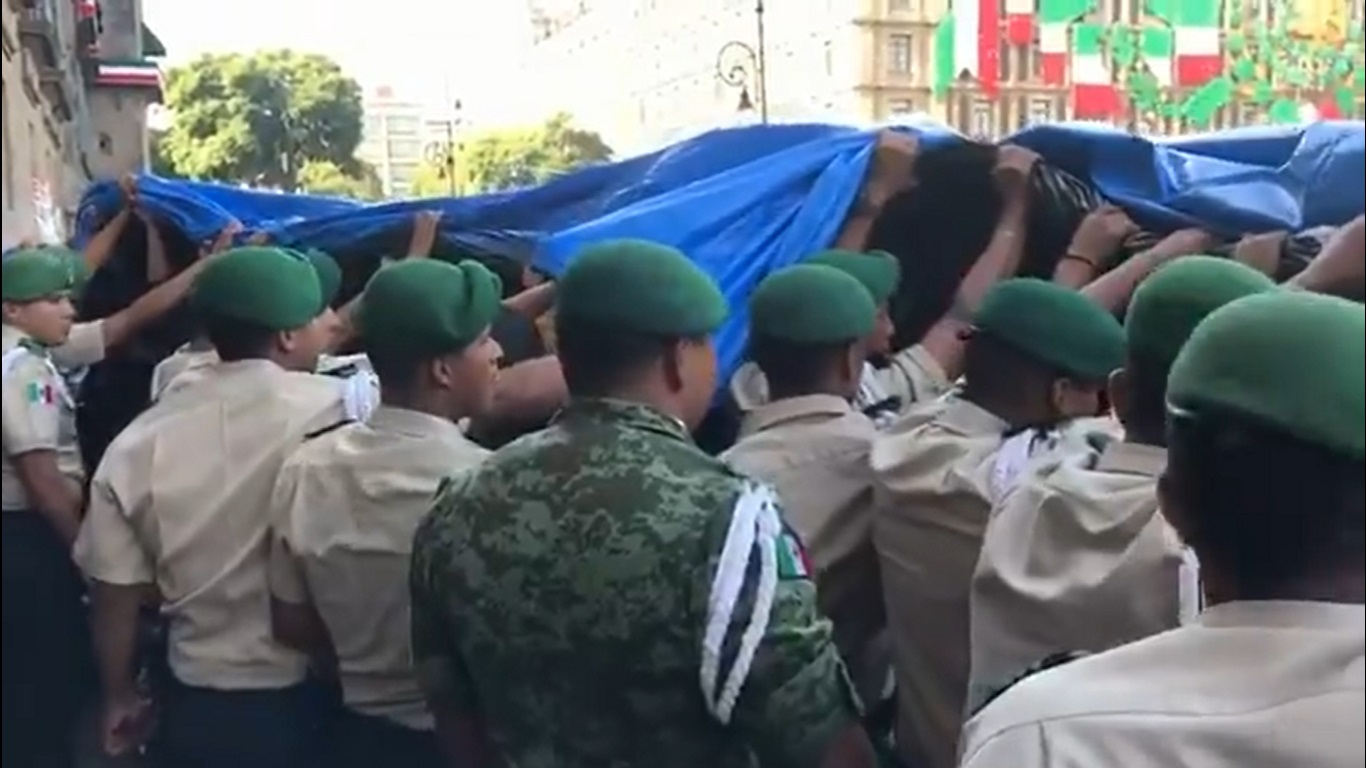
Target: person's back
1264,482
180,508
576,554
1103,567
1252,685
203,519
603,593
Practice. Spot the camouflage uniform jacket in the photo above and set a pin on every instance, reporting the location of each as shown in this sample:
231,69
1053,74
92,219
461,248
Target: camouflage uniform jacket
585,593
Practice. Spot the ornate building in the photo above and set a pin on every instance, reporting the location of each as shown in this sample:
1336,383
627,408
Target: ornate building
1155,66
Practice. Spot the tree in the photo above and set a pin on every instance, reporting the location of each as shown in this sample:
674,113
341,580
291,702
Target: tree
323,177
506,159
157,162
260,118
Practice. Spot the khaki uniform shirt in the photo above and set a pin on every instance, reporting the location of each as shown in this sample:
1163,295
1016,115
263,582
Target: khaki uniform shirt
39,415
1076,558
83,347
912,376
186,361
348,503
933,475
352,374
1248,685
182,500
814,451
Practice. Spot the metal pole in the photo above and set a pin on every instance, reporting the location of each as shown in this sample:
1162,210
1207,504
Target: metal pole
762,63
450,157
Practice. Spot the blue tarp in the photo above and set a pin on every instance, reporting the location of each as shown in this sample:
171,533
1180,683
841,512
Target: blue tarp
744,201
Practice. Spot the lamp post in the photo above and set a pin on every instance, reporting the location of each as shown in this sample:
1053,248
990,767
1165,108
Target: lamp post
444,154
740,65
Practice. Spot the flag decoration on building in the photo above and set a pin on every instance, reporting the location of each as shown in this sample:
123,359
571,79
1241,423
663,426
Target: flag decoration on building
1020,22
1055,19
967,43
1196,30
1095,95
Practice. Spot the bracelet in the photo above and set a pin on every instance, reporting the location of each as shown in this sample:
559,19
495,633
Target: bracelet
1082,259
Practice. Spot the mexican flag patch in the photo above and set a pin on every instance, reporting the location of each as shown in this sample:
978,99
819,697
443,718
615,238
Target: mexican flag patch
792,560
39,393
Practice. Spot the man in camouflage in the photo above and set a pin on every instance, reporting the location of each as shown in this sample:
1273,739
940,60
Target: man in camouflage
603,594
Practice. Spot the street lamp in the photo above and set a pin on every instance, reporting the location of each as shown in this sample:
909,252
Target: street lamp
738,64
437,154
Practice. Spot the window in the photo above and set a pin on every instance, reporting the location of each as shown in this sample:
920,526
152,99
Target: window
899,54
982,119
404,125
400,149
1040,111
897,107
373,126
898,5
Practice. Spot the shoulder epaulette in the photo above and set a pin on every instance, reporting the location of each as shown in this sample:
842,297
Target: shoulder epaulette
329,428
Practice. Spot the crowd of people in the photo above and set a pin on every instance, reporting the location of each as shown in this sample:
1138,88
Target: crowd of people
1114,518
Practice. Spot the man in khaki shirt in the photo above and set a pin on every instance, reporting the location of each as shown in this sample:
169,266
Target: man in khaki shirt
911,376
46,645
348,502
1077,557
806,332
1264,480
1039,354
179,508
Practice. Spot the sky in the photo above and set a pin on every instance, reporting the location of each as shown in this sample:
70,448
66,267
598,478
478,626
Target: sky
423,49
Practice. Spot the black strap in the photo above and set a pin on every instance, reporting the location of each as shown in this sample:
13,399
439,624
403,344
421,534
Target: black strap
329,428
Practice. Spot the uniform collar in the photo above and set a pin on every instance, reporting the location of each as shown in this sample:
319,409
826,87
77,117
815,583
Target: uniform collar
625,414
803,408
406,421
968,418
1123,458
1272,614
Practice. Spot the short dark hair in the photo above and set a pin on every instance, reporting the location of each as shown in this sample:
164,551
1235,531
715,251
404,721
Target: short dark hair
396,372
1146,413
794,367
235,339
1264,506
597,360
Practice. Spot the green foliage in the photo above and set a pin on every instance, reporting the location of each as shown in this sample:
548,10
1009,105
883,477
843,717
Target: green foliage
507,159
324,177
261,118
157,161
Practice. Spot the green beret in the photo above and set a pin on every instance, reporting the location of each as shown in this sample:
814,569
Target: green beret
811,304
636,285
30,274
1168,305
422,308
878,271
329,273
271,287
1289,360
1053,324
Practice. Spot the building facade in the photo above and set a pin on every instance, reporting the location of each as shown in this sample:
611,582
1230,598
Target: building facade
400,135
58,136
645,72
